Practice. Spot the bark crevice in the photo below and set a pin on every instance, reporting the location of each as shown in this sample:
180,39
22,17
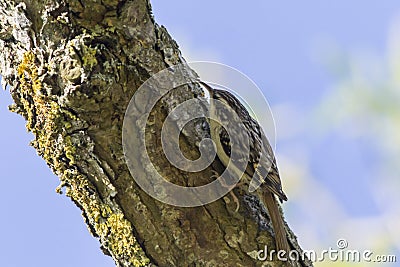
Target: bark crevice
73,67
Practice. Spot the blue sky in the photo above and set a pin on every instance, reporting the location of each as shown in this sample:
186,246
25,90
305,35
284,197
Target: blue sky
285,49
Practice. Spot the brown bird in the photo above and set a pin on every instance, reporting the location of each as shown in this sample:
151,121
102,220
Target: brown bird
260,168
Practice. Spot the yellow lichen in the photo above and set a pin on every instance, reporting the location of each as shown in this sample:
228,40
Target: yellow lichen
44,115
29,83
89,56
109,225
122,242
69,150
27,70
48,121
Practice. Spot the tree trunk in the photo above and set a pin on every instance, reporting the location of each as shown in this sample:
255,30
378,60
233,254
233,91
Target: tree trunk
73,67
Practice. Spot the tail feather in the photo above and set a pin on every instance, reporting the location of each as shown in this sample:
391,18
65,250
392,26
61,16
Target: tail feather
277,221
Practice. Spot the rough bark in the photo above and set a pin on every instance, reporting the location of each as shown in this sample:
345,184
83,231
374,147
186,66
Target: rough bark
73,67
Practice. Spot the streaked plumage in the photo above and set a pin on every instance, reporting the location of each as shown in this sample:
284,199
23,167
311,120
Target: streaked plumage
261,165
